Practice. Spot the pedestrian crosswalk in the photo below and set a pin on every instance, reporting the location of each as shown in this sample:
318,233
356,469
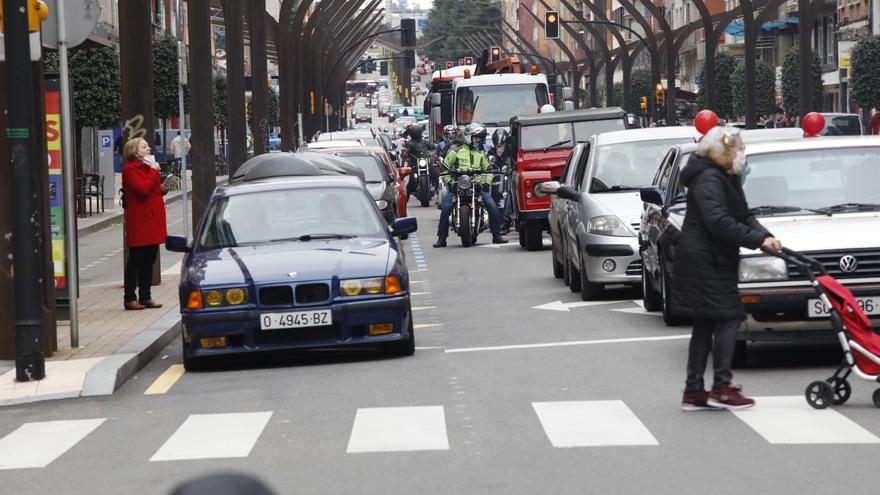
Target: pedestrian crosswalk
588,424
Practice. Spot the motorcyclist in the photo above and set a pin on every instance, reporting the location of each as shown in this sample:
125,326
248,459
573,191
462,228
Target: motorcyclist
471,158
447,140
416,148
500,158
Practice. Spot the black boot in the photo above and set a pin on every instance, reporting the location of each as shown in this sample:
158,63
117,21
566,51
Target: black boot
497,239
441,242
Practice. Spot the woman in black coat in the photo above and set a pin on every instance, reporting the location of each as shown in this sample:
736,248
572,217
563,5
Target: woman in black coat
717,223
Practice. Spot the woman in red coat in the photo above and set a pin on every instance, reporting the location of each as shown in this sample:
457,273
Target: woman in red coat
144,221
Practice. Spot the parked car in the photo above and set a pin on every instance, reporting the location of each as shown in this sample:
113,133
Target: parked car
820,197
597,243
273,267
383,180
842,124
363,116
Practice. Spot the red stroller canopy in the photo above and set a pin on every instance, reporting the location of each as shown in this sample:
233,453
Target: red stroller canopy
857,323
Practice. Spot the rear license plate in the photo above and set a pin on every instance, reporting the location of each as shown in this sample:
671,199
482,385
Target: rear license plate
870,305
297,319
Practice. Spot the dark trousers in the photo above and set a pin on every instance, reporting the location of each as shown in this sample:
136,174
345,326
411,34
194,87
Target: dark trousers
139,272
719,338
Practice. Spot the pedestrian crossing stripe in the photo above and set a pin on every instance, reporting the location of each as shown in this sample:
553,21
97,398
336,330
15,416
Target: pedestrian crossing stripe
398,429
599,423
214,436
36,445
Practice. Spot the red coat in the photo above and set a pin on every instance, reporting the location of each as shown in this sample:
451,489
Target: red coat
145,214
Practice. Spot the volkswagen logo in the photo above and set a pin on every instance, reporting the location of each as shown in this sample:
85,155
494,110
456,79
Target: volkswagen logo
848,263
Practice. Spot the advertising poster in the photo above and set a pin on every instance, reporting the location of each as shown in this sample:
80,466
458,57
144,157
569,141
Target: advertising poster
56,183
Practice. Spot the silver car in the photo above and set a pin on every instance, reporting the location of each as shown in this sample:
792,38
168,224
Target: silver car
598,208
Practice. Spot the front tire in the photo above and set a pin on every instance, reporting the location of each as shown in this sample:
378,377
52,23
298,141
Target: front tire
192,363
464,226
424,191
669,316
653,300
574,277
405,347
558,268
533,231
589,290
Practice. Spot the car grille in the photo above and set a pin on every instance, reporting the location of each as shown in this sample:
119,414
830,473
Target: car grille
312,293
635,268
306,294
281,295
868,264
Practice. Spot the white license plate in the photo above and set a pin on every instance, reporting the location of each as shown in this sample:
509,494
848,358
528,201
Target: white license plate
870,305
296,319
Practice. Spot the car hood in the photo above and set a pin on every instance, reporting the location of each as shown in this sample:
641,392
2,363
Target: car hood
824,233
626,205
313,260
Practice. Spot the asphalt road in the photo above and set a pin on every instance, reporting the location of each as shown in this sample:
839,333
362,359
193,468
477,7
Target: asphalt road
500,397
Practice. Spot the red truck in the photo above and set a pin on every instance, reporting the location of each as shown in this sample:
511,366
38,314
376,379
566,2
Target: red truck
540,146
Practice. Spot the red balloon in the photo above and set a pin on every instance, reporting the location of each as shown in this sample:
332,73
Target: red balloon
705,121
813,124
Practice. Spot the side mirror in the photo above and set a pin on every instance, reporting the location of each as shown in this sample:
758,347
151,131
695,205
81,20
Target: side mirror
504,169
404,171
567,192
568,105
567,92
405,226
545,188
651,195
176,244
436,115
435,99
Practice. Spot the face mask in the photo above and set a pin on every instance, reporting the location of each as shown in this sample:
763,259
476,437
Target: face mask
739,164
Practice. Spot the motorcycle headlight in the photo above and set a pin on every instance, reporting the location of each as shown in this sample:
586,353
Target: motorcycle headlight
762,268
609,225
382,204
465,182
423,162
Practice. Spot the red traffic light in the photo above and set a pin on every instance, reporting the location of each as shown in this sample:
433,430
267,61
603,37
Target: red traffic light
469,60
448,65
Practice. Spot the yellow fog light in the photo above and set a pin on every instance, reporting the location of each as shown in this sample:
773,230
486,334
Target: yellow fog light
381,328
235,296
212,342
213,298
350,287
373,285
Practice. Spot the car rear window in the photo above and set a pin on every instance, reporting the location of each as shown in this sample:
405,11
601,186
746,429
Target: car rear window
374,170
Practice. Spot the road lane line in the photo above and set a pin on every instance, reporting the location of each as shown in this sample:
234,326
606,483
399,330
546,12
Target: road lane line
214,436
567,344
166,380
790,420
36,445
427,325
597,423
398,429
423,308
174,270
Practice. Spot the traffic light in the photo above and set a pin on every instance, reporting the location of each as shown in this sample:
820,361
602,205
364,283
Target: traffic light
643,104
38,12
408,33
469,60
551,25
461,61
409,59
448,65
383,68
661,96
495,54
433,65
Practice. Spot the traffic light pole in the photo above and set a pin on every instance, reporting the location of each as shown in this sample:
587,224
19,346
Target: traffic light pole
21,133
356,44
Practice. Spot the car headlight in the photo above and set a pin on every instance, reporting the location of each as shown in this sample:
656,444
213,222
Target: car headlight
382,204
215,298
762,268
369,286
609,225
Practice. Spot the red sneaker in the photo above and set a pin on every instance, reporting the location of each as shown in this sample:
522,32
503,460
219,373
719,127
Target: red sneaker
695,401
729,397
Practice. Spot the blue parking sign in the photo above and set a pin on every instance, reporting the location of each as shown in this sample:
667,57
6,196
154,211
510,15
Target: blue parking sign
106,142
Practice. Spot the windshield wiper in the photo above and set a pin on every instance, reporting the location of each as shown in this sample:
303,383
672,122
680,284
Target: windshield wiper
314,237
849,206
772,209
617,189
375,182
560,143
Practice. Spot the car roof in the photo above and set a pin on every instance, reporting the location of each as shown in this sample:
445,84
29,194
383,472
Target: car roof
570,116
282,183
760,135
344,135
648,134
819,143
499,80
332,144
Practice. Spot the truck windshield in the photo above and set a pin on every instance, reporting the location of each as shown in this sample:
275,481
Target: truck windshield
493,106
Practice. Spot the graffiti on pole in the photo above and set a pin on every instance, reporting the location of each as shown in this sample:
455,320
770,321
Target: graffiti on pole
134,128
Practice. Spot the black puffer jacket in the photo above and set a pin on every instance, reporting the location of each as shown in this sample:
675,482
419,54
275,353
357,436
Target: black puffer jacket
716,225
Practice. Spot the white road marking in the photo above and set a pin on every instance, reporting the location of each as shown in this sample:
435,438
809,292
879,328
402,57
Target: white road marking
398,429
418,326
173,270
36,445
570,343
214,436
591,424
561,306
422,308
790,420
639,310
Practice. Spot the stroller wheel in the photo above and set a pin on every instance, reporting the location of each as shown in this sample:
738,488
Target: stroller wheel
876,397
819,395
841,389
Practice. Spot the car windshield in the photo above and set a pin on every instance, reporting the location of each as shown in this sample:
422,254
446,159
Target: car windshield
373,170
540,137
825,181
628,166
842,125
493,106
290,215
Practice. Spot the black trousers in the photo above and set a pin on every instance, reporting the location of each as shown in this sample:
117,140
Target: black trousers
719,338
139,272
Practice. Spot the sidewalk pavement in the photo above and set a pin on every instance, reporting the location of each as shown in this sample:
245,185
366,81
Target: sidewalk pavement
114,344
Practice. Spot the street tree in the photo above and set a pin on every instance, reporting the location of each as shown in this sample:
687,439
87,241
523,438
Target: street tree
864,73
97,90
220,107
764,91
272,117
791,81
454,19
724,67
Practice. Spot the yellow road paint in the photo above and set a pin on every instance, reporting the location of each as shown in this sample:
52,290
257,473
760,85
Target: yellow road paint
427,325
166,380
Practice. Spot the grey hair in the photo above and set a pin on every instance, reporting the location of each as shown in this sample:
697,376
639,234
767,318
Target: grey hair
716,143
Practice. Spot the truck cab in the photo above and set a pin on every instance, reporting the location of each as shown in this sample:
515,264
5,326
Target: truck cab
493,99
540,144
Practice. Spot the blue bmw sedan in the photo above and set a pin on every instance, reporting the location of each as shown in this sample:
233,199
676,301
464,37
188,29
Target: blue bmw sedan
294,263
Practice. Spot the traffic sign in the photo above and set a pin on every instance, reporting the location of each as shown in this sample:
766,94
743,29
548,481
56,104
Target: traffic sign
80,19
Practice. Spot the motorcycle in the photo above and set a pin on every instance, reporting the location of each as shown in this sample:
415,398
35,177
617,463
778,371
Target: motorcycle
501,189
420,181
468,217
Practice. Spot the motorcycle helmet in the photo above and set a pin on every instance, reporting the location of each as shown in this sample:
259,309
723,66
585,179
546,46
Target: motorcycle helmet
499,138
476,131
548,108
449,132
415,132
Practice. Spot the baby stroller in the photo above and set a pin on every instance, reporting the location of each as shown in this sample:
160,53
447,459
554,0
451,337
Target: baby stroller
861,343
